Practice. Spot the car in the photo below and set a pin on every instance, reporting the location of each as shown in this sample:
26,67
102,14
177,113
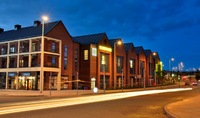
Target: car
194,83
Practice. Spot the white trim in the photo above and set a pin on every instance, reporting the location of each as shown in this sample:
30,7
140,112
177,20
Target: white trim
39,37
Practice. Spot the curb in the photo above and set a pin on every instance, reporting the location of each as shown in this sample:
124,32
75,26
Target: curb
168,113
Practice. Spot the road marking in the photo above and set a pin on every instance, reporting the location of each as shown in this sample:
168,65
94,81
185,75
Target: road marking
45,104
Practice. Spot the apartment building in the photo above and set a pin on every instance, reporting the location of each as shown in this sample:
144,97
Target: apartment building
32,61
44,56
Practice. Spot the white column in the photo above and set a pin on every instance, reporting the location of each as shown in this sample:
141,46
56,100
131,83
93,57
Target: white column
6,80
59,81
41,80
17,80
60,51
30,50
8,59
42,65
18,54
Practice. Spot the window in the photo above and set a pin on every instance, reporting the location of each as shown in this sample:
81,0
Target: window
12,50
94,52
53,46
132,68
53,61
65,63
65,51
104,62
142,68
119,64
76,59
33,47
65,57
3,51
21,63
85,54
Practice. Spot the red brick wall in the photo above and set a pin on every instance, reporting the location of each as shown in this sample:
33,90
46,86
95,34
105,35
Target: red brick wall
60,32
131,54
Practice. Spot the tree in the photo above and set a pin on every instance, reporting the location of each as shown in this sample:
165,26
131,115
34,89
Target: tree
198,75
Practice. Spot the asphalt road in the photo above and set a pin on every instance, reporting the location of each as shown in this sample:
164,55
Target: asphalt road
148,106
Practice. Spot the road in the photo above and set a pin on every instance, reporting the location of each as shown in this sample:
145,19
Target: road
147,106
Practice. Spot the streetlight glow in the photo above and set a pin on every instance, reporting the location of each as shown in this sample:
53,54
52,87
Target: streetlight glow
45,18
119,42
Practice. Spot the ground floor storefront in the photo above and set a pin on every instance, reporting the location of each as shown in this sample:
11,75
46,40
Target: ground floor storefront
30,80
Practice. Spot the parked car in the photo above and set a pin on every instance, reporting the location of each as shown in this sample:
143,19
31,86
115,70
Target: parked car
194,83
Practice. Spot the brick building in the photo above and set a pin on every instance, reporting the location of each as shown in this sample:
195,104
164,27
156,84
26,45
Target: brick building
30,60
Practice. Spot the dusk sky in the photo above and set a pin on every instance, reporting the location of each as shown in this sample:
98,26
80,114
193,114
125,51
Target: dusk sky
169,27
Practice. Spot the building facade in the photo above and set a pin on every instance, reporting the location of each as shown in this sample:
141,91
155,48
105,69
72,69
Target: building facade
46,56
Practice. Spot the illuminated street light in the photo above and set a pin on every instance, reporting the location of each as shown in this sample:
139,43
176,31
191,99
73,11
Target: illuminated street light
118,42
170,60
154,54
44,19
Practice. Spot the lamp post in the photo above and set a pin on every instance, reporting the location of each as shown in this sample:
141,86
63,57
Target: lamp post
154,54
170,60
44,18
119,42
122,80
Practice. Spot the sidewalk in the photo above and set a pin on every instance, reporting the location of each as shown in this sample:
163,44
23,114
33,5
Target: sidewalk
63,93
188,108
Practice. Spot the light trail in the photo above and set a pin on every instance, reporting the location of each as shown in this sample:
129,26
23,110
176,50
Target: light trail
45,104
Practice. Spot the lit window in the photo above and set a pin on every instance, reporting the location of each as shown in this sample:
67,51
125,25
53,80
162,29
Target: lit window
12,49
21,63
103,60
85,54
131,63
94,52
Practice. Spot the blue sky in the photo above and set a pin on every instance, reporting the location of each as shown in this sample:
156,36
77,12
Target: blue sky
170,27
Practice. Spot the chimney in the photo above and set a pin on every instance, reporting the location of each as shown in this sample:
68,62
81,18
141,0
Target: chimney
1,30
17,27
37,23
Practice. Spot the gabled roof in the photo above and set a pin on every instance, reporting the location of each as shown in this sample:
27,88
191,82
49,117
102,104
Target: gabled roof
89,39
27,32
128,46
147,52
138,49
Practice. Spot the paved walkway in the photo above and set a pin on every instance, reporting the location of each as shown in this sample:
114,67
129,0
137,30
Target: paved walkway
189,108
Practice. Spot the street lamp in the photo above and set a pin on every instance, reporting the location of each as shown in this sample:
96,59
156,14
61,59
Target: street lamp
44,18
118,42
154,54
170,60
